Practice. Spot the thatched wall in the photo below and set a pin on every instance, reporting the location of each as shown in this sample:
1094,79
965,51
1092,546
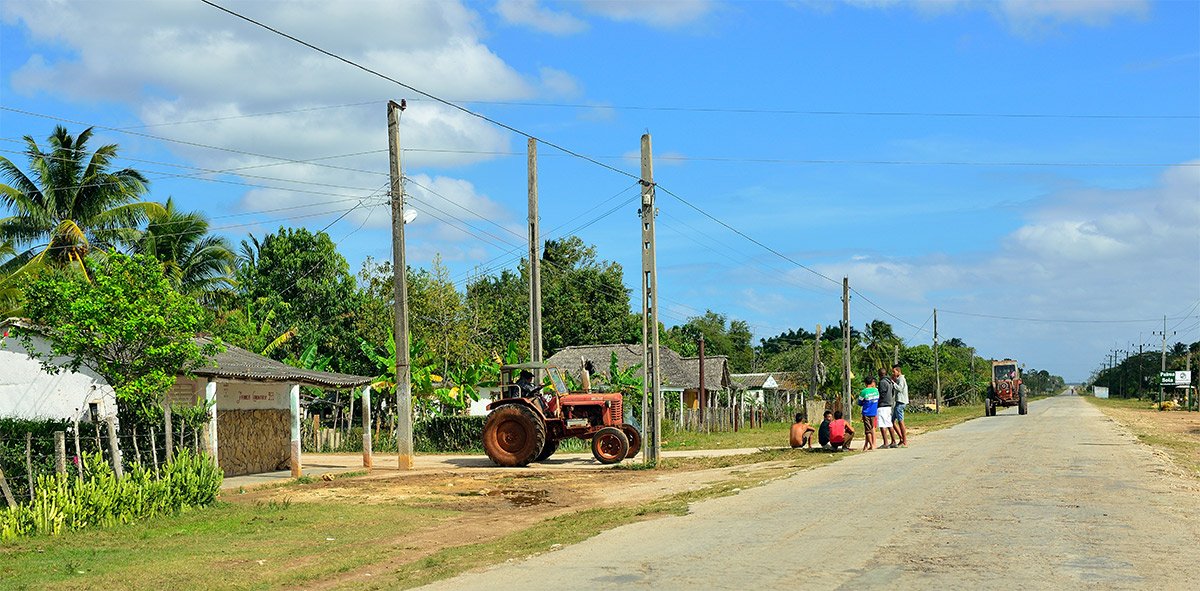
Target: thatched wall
253,441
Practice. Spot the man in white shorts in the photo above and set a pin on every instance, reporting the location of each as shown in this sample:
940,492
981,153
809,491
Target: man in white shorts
887,399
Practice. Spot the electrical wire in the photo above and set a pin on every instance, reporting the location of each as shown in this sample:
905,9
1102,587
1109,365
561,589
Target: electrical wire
1060,320
418,91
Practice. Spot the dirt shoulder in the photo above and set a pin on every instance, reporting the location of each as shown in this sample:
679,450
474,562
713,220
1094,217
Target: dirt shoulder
1173,434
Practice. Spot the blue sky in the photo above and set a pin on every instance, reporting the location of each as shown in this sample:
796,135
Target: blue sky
1009,158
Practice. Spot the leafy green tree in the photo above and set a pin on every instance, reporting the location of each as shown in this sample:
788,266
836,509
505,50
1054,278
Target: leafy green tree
881,340
196,263
303,277
722,336
70,203
584,300
127,324
499,305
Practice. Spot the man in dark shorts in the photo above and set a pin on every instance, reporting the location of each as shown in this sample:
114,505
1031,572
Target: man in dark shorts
801,434
823,431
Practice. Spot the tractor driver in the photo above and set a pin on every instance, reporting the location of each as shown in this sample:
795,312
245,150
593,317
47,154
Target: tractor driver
525,385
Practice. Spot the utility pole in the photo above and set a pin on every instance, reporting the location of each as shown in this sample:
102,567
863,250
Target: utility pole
649,283
812,392
937,370
845,346
702,393
535,263
1164,359
1141,370
404,435
895,355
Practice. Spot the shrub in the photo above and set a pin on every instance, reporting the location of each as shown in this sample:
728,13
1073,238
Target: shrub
65,502
443,434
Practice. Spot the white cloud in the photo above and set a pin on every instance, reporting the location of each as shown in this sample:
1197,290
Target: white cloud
1084,254
656,13
530,13
560,83
172,62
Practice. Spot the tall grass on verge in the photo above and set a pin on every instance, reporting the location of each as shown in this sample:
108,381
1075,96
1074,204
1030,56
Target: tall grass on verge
65,502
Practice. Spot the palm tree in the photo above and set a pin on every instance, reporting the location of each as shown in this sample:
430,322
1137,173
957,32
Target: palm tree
195,262
70,203
881,339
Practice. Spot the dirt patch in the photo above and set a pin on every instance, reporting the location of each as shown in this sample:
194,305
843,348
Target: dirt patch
1175,435
492,503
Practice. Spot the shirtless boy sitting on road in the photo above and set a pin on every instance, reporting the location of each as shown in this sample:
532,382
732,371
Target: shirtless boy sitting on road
801,435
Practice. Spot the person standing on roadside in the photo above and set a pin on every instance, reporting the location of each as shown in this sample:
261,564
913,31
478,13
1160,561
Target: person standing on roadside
901,402
887,399
868,399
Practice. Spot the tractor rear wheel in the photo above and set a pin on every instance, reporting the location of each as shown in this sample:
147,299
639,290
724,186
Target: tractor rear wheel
513,435
610,445
548,449
635,439
1022,405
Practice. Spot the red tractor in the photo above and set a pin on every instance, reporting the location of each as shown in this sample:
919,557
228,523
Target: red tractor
1006,388
526,425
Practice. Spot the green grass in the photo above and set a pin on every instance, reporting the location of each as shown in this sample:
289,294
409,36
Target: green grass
1182,445
769,435
216,548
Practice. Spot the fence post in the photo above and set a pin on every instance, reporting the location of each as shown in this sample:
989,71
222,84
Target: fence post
4,488
60,452
167,413
78,451
366,420
114,449
29,462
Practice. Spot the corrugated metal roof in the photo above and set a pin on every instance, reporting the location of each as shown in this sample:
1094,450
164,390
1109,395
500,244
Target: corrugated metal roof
236,363
677,372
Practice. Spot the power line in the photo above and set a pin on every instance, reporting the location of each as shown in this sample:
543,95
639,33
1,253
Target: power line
839,112
189,143
417,90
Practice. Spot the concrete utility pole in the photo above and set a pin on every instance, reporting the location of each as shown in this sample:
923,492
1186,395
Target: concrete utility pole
650,310
404,435
535,262
846,388
702,393
1164,359
812,391
937,371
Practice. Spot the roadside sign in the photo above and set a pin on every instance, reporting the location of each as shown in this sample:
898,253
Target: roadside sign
1166,378
1100,391
1183,378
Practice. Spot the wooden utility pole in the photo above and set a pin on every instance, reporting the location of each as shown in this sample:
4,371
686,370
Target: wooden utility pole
404,436
535,263
846,387
649,283
937,371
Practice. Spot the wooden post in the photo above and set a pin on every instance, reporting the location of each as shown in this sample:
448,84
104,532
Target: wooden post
60,452
29,462
7,492
210,441
812,392
137,451
366,421
317,433
78,452
168,413
154,448
294,405
114,450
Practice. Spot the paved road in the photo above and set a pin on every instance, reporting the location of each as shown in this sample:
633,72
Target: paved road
1073,503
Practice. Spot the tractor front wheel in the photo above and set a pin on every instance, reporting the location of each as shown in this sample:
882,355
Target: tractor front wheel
1022,405
610,445
635,439
513,436
989,408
